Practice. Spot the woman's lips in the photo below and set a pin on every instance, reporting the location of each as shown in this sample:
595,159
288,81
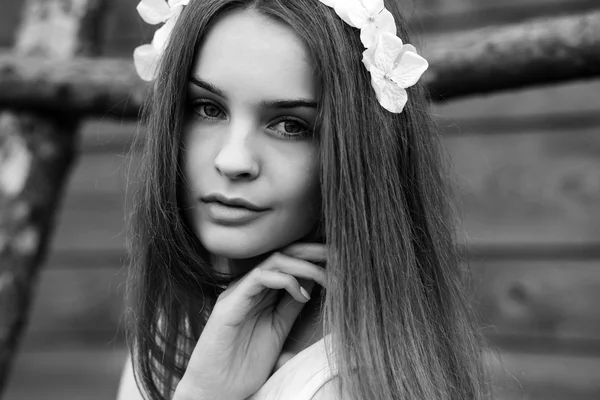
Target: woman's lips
228,215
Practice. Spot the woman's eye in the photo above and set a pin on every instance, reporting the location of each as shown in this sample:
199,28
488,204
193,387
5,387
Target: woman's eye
291,128
206,110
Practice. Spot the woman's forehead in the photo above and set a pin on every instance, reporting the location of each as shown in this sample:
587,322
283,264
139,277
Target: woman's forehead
248,54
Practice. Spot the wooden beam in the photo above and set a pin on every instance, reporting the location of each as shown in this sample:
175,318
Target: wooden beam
544,306
455,16
539,52
36,153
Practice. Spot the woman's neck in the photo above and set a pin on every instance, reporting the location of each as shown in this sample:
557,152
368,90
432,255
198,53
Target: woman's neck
307,330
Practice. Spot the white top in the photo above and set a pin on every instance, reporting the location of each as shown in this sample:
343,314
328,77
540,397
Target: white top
299,378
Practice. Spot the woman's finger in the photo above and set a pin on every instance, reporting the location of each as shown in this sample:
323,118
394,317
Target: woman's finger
296,267
261,278
308,251
288,309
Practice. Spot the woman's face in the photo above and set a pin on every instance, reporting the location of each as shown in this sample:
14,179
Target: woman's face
251,108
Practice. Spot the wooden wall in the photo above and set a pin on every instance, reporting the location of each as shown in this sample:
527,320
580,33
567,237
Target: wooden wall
527,171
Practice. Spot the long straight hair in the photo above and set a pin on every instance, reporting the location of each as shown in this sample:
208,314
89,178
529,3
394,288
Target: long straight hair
396,304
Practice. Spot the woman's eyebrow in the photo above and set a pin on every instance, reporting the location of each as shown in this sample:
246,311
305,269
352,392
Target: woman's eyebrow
208,86
272,104
289,103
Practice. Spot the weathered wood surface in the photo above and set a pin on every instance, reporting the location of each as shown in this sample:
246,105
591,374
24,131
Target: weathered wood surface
90,373
509,112
539,52
78,307
539,305
535,188
493,59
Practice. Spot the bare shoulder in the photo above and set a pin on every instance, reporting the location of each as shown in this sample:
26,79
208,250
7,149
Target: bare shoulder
329,391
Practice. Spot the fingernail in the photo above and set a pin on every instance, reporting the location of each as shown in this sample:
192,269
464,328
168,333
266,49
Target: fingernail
304,293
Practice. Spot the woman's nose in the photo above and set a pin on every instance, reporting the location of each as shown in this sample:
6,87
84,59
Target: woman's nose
236,158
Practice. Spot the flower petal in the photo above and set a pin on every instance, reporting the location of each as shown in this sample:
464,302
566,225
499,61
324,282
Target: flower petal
389,48
384,22
176,3
153,11
359,15
409,70
145,59
369,35
392,97
368,58
409,47
373,7
377,80
162,34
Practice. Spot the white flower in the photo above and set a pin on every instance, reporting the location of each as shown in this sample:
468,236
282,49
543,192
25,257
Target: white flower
144,60
145,57
157,11
394,67
370,16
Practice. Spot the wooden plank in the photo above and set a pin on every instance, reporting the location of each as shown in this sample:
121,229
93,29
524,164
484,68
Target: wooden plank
107,136
94,373
92,213
528,189
90,373
539,305
82,259
77,306
90,222
544,376
563,99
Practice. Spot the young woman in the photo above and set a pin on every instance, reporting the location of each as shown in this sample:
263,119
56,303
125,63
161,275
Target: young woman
334,273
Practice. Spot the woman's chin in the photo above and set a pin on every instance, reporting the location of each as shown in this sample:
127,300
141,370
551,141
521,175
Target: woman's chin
231,248
239,244
233,253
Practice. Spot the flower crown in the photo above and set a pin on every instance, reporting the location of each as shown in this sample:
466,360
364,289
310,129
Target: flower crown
394,66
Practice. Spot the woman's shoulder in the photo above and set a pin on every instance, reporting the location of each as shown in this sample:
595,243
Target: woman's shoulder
329,391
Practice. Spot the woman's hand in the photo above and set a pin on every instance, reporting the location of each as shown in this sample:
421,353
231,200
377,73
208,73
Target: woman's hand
248,326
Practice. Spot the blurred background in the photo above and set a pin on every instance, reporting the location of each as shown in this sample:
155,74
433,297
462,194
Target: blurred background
527,171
